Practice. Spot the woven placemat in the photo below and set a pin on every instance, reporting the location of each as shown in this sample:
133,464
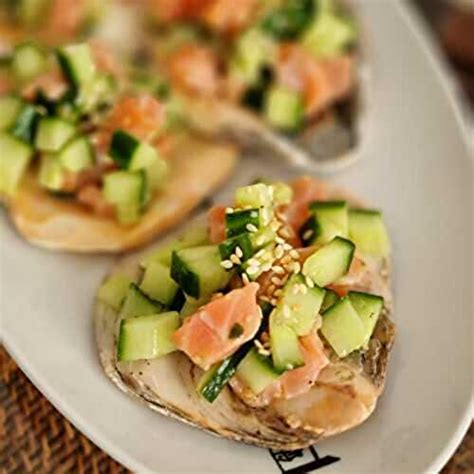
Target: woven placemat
35,437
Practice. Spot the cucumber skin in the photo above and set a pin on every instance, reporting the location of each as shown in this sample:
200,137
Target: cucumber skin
236,222
122,147
227,248
184,277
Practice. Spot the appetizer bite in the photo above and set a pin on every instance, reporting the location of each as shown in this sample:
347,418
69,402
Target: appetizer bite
294,63
269,325
94,157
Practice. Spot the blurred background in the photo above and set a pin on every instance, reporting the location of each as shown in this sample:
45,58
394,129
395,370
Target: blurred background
453,24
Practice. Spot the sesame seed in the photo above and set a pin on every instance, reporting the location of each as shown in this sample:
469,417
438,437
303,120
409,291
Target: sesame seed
285,232
303,289
265,298
276,281
267,267
279,251
309,282
254,214
227,264
235,259
294,254
260,240
273,302
307,234
259,254
287,246
275,225
251,228
238,252
229,210
279,270
278,292
279,240
286,259
245,279
296,267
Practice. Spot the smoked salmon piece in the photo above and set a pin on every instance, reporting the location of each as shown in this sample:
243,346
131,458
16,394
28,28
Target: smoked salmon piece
220,327
216,224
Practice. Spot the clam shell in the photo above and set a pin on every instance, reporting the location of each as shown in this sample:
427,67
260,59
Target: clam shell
344,396
197,168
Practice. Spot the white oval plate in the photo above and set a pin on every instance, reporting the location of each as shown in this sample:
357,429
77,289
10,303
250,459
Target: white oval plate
418,170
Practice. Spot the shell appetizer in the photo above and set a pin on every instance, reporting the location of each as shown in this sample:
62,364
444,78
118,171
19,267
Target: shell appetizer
269,325
286,73
94,156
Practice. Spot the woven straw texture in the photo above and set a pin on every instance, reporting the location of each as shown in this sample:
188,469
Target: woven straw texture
36,438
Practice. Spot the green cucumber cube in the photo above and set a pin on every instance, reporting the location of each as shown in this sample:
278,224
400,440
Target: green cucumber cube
53,133
114,290
147,337
51,173
299,305
286,352
284,108
330,262
15,157
136,303
9,109
77,155
368,307
257,371
158,284
331,220
343,328
368,232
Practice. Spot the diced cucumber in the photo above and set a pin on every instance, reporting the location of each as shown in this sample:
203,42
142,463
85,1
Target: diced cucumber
328,219
198,270
28,61
25,125
77,63
178,301
147,337
51,173
330,262
15,156
127,191
193,237
191,305
114,290
343,328
77,155
158,284
262,237
253,50
367,230
229,247
99,91
136,303
9,109
290,19
284,108
156,173
329,35
257,371
124,187
330,297
129,153
368,307
282,193
214,380
238,222
53,133
299,305
256,195
286,352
